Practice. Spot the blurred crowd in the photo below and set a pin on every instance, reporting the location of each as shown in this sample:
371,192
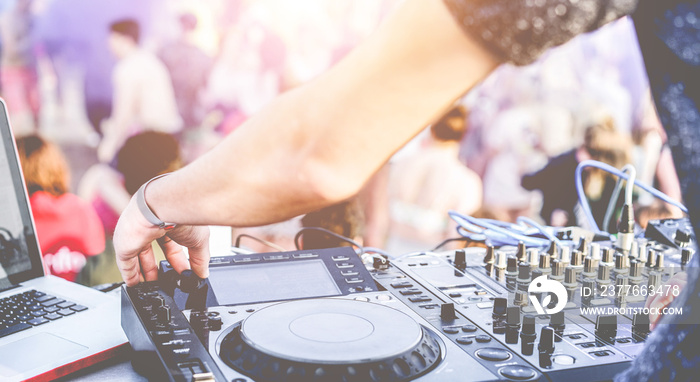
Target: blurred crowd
106,95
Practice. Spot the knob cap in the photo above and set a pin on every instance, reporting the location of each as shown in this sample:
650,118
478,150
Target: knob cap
447,311
635,268
570,275
603,272
686,254
512,266
461,260
524,271
546,340
490,254
544,261
608,255
682,237
557,268
606,326
522,252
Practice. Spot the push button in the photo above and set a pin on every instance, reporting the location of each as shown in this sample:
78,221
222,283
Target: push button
349,273
402,284
465,340
408,292
420,299
354,280
493,354
518,373
483,338
340,258
345,265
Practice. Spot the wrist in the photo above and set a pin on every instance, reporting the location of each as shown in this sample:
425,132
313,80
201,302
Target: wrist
146,210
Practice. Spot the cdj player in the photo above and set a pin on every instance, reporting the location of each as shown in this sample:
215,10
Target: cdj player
475,314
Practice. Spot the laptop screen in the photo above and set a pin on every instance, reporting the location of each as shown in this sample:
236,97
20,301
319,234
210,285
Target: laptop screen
20,259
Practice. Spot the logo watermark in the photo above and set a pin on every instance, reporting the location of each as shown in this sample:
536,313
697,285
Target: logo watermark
544,288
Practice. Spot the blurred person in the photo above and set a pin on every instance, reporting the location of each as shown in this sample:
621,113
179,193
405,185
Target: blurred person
142,157
18,66
143,92
189,68
108,190
345,219
68,228
341,127
602,142
427,184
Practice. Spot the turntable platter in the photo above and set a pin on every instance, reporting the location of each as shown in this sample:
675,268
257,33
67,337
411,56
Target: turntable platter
333,340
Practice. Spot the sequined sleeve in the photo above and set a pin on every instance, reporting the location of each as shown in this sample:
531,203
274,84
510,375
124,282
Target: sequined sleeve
519,31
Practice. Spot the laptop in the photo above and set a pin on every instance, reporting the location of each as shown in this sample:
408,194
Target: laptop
49,327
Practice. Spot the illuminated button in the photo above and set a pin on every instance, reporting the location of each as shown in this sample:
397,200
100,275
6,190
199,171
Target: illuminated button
365,299
245,259
345,265
479,292
340,258
354,280
465,340
384,297
304,255
563,359
276,257
492,354
517,372
483,338
349,273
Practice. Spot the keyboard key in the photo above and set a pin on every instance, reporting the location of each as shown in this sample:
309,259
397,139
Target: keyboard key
65,312
14,329
25,317
52,302
35,307
65,304
53,316
78,308
37,321
38,313
51,309
44,298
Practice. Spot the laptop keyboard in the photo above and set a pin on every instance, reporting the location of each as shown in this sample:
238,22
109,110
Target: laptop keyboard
33,308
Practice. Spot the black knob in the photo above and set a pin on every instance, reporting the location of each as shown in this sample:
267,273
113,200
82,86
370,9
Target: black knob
189,281
215,323
620,261
557,323
524,271
512,325
512,265
651,257
528,335
686,253
682,237
660,260
553,250
546,347
608,255
500,305
577,259
522,252
460,262
447,311
588,265
583,245
640,325
606,327
544,261
557,268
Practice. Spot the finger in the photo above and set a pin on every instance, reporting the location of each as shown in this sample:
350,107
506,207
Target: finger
147,260
129,269
199,258
175,255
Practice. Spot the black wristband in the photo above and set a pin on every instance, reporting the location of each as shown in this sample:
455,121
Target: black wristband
146,211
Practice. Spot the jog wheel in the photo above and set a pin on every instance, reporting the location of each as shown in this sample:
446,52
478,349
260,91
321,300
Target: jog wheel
331,340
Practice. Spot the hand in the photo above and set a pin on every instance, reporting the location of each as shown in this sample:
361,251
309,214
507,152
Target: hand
662,300
135,258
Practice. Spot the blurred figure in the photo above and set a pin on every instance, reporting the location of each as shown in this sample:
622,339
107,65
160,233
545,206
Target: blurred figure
602,142
109,190
345,219
143,93
424,186
143,156
67,227
18,72
189,69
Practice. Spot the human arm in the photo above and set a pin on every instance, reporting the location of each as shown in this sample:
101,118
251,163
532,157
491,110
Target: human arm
317,144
